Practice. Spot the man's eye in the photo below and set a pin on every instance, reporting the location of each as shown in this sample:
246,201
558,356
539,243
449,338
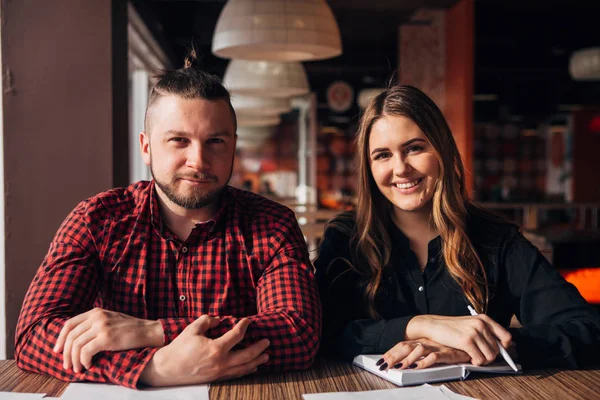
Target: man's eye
215,140
177,140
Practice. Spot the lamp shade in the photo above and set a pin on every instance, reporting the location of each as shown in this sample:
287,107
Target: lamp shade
246,121
252,138
255,133
277,30
260,106
266,78
584,64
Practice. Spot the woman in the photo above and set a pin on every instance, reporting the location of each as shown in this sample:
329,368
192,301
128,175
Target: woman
396,276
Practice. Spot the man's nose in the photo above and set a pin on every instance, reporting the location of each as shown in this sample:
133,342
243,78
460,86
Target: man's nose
197,158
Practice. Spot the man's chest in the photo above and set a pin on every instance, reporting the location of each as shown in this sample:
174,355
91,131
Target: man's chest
161,279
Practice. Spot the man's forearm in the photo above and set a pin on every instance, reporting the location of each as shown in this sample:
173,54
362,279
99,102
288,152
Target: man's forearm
34,352
294,341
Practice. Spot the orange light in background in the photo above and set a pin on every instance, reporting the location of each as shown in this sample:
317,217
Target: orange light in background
586,280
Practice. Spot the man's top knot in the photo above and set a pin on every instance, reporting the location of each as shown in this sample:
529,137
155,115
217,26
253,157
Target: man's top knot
191,60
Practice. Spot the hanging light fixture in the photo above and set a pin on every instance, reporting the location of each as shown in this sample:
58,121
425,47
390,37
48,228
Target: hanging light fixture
277,30
260,106
584,64
266,78
247,121
251,138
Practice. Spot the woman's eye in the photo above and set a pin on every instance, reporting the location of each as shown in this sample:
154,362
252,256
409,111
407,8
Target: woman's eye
413,149
381,156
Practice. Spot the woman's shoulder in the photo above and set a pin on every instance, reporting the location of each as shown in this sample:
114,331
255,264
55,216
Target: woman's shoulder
342,226
488,229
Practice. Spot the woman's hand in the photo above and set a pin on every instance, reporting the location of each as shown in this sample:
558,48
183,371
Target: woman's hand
420,354
475,335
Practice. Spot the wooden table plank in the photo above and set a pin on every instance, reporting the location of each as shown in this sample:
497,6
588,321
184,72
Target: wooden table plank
330,376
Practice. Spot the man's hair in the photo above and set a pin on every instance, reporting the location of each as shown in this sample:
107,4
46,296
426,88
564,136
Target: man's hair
189,82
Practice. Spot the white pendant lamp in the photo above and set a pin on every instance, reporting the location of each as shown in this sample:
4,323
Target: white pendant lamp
277,30
255,133
252,138
247,121
266,78
584,64
260,106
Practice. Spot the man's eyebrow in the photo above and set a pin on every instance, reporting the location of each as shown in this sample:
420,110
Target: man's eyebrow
220,133
176,132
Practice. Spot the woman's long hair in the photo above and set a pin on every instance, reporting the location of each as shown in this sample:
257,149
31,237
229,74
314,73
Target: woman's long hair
450,200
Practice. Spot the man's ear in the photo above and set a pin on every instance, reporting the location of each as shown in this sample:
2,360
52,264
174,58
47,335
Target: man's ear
145,147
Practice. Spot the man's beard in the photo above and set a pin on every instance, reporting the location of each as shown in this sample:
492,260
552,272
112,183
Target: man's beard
197,198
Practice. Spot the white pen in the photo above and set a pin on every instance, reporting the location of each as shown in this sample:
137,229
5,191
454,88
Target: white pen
503,351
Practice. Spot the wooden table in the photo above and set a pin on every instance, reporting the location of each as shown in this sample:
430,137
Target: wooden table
328,376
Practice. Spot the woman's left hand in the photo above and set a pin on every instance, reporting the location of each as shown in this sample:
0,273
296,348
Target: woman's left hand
421,354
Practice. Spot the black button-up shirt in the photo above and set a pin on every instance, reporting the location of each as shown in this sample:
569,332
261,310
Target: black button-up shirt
559,327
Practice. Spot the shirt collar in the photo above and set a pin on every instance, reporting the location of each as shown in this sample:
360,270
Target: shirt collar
398,238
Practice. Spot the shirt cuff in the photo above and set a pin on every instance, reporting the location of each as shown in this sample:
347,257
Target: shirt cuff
172,327
393,332
133,379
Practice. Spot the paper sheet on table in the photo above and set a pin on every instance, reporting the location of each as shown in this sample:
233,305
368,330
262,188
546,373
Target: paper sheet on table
454,396
423,392
21,396
103,391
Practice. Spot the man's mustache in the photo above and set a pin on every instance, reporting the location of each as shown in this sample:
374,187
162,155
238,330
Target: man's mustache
197,176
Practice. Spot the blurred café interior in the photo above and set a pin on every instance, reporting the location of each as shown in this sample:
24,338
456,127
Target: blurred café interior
518,81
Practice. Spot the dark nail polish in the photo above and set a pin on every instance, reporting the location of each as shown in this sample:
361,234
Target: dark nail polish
383,367
399,365
379,362
413,366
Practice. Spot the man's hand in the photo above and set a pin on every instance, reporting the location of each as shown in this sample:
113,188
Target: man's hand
192,358
475,335
420,354
99,330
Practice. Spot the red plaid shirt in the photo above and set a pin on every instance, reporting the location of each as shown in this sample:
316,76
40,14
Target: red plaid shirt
113,251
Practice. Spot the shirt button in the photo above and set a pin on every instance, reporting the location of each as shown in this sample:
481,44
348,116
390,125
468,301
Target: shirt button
184,249
421,288
432,260
182,298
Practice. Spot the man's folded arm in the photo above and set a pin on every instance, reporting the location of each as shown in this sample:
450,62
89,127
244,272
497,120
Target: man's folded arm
66,285
289,310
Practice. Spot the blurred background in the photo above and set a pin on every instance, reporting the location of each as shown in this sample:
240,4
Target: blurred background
518,81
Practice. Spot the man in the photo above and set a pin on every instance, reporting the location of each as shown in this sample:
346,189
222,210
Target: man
181,280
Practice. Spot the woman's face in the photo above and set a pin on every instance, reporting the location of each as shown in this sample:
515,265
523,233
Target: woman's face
403,163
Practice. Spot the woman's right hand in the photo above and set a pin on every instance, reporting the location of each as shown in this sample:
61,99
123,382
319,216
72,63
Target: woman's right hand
475,335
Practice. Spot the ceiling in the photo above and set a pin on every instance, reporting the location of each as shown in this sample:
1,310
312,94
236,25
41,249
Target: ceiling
521,47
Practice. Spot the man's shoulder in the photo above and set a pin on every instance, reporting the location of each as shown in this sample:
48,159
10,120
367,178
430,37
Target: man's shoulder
256,206
115,203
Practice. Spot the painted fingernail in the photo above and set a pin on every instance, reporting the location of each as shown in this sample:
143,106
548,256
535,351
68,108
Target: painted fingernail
412,366
399,365
379,362
383,367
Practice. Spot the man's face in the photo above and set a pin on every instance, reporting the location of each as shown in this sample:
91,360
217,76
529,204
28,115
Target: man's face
189,146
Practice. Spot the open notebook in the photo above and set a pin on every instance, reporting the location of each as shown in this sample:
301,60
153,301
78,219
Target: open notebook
407,377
